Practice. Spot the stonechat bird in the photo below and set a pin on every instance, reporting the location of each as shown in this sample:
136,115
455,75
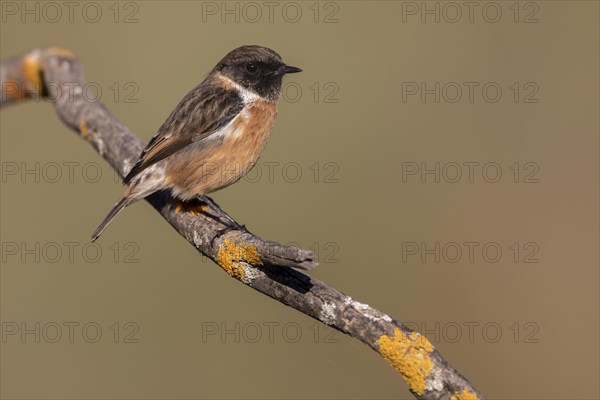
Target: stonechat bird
214,136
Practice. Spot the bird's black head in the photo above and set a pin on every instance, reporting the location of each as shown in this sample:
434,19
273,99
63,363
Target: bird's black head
256,68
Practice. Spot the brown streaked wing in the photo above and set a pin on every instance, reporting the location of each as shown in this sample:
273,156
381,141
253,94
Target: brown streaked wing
202,112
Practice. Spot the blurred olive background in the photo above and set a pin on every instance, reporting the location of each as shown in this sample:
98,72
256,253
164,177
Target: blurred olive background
336,178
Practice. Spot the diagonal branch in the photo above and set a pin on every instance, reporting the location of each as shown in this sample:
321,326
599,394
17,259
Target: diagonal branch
56,74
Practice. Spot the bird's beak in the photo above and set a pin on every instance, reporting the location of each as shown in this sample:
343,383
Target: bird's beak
288,69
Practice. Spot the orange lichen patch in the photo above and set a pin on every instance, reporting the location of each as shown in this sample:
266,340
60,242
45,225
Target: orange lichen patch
83,129
409,354
13,90
31,70
231,256
32,73
191,207
464,395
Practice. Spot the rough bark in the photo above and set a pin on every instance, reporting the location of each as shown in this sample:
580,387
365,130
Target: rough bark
254,261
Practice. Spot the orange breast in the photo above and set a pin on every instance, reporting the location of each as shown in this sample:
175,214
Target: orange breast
223,158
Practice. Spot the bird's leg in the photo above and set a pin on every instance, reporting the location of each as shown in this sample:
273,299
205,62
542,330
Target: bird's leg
230,223
228,220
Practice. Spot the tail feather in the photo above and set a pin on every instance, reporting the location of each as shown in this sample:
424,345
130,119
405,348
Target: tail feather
121,204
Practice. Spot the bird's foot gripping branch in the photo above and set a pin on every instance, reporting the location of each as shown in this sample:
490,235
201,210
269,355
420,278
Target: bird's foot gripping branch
252,260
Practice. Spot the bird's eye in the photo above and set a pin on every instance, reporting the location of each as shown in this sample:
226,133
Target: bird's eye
252,68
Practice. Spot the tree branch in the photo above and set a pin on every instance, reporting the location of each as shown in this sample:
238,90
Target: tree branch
254,261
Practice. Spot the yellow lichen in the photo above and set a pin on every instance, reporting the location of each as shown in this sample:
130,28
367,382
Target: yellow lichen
31,69
83,129
464,395
409,355
14,90
32,73
231,257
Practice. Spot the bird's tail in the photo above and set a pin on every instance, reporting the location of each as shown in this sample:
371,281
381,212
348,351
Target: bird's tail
121,204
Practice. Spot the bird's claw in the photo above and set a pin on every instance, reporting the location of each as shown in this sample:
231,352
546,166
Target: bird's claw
221,232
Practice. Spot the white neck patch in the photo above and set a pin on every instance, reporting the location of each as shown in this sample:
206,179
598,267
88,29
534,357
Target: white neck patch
247,96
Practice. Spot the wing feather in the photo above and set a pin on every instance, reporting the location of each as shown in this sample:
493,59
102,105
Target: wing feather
202,112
